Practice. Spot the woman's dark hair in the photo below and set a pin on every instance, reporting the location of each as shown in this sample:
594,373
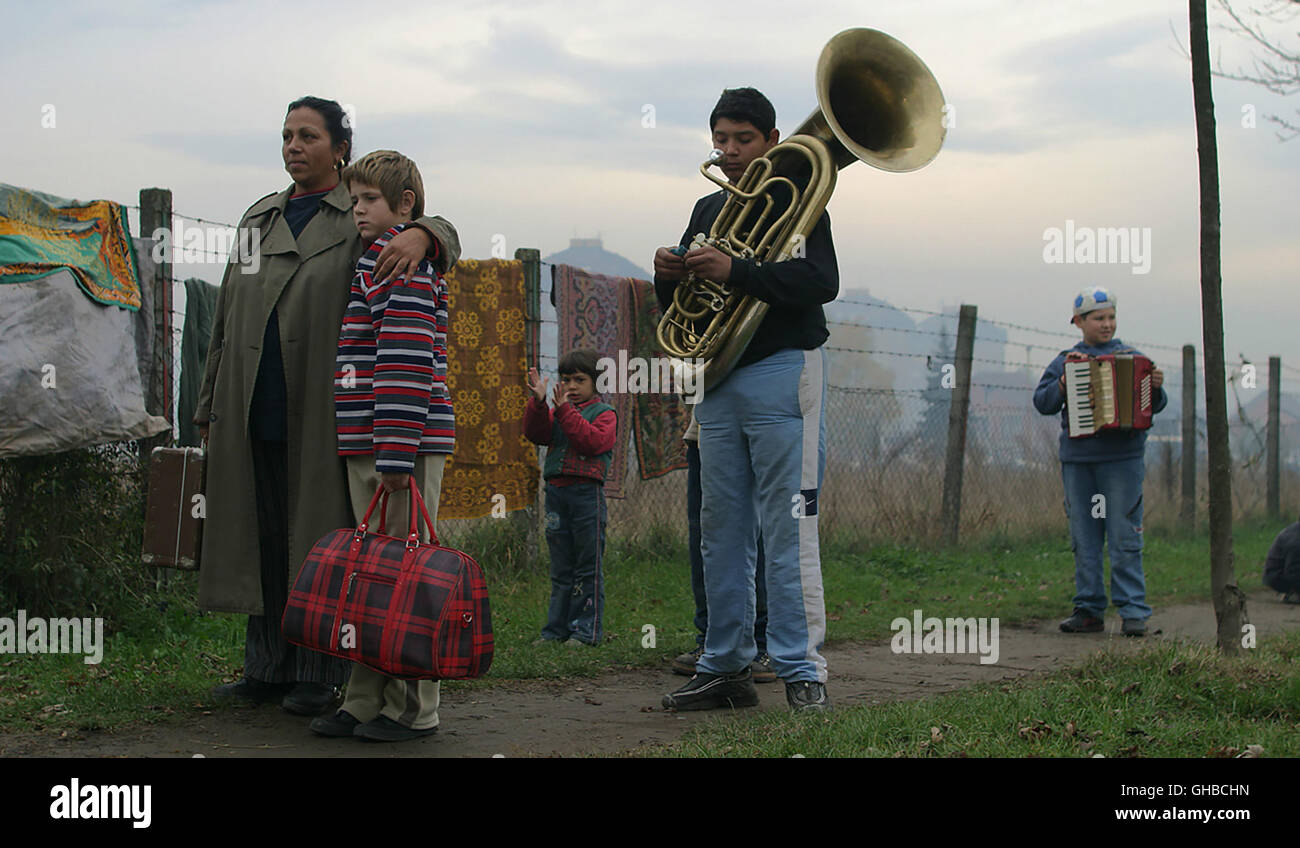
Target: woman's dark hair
745,104
336,121
578,362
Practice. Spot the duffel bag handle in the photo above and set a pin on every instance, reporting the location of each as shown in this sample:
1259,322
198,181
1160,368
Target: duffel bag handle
412,527
365,519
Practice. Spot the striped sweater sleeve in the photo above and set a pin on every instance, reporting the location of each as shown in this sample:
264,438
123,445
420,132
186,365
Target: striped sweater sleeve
404,317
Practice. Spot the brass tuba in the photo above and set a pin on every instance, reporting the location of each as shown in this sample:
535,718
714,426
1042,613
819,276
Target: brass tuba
877,102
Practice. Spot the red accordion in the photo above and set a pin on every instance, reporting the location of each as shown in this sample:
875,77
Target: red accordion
402,607
1107,392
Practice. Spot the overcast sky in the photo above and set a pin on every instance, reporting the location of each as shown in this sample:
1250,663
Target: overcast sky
529,123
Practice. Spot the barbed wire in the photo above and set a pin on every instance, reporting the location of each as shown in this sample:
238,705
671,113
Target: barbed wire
1002,386
891,329
176,214
1026,327
1230,369
880,352
893,308
867,390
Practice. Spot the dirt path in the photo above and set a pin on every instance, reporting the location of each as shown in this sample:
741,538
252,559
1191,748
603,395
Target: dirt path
615,712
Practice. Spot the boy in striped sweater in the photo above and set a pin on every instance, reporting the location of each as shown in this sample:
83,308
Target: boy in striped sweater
394,415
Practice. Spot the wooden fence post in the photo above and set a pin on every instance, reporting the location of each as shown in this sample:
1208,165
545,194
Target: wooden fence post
1274,435
1187,510
950,519
532,516
156,213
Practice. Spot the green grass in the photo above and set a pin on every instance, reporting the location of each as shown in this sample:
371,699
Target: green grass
163,657
1167,701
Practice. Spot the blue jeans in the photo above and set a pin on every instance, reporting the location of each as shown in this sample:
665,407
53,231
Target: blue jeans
1117,521
693,498
763,440
575,534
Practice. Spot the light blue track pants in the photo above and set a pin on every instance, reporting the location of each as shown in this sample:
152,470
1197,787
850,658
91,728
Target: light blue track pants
763,443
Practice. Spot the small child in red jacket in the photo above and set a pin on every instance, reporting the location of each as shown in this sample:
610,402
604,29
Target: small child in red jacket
580,433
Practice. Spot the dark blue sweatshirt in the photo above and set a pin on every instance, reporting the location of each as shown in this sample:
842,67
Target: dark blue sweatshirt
795,289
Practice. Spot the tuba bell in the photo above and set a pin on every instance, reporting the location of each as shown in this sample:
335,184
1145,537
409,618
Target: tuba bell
878,103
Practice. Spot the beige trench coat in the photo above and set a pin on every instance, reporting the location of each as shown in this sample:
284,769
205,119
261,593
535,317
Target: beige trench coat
307,281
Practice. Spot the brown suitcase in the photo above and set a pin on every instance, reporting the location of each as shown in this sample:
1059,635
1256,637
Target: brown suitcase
173,520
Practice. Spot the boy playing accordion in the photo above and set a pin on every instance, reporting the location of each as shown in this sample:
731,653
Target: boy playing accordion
1102,474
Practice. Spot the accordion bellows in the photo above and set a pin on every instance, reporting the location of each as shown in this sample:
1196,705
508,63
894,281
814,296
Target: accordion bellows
1107,392
405,608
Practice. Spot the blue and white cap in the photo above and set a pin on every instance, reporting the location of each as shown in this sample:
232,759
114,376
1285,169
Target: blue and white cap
1092,298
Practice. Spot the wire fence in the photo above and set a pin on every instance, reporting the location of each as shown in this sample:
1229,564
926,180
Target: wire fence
887,409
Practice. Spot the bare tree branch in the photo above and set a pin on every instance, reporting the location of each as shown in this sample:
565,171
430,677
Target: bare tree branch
1278,70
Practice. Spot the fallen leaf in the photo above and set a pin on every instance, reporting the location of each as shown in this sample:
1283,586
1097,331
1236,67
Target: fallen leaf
1038,730
1251,751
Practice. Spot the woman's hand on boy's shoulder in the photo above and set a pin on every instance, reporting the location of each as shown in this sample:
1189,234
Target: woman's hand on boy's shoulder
401,257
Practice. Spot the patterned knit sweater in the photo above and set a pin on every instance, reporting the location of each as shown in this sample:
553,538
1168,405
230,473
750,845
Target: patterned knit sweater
390,382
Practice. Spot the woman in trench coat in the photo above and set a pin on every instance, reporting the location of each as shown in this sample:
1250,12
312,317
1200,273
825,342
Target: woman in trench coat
275,481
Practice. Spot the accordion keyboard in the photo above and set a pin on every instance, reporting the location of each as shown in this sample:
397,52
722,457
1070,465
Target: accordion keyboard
1078,381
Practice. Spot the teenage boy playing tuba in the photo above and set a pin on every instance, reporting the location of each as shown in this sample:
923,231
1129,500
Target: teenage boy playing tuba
762,443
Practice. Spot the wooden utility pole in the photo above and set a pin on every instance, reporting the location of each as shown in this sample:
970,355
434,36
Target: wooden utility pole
950,518
1229,601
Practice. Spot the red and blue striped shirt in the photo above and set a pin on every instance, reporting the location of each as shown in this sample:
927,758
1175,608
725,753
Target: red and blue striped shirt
390,379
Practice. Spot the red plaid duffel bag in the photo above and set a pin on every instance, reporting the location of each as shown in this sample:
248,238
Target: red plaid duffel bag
405,608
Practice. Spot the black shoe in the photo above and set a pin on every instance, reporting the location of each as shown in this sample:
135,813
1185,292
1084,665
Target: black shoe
384,729
253,691
310,699
685,663
807,696
762,669
1082,622
1134,627
342,723
707,691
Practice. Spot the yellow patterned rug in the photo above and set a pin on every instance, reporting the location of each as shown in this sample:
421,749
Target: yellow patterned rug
494,464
